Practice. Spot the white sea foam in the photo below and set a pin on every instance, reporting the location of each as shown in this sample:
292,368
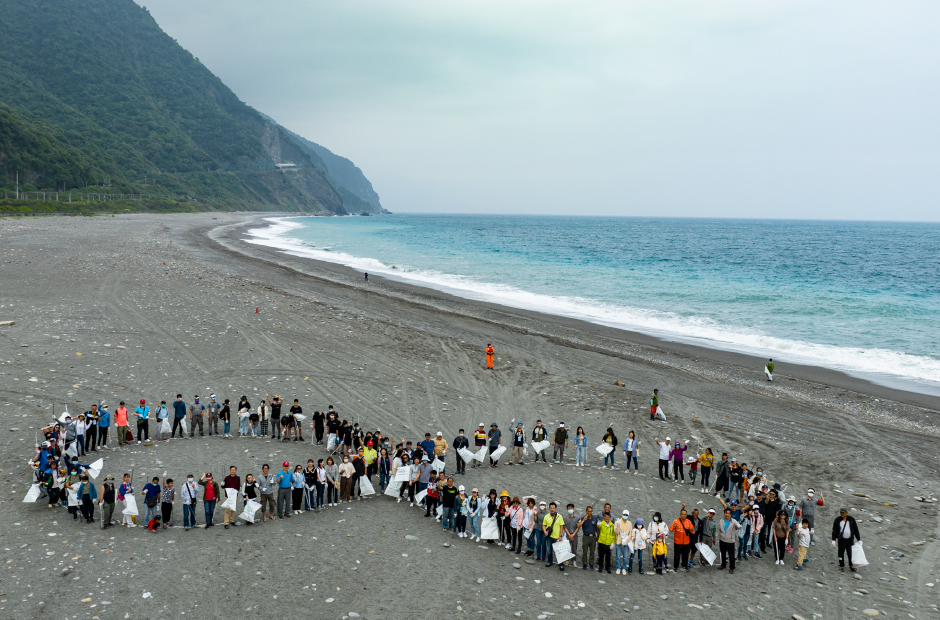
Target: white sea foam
918,373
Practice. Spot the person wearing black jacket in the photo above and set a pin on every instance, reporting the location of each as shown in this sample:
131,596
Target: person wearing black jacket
460,441
770,508
844,534
721,474
318,419
359,464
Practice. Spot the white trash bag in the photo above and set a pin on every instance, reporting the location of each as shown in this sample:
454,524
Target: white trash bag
403,474
248,513
562,551
488,528
498,452
481,454
131,502
393,489
95,468
365,487
32,495
858,555
231,499
660,414
438,465
465,454
707,554
540,446
604,448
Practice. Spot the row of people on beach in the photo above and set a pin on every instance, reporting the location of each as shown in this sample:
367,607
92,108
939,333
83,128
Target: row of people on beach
520,524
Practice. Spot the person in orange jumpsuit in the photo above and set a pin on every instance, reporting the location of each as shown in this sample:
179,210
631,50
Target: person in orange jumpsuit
489,355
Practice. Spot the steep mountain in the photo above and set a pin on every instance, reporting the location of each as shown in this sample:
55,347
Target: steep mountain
94,92
352,184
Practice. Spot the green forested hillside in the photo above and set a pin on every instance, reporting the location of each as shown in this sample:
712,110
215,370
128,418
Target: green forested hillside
94,92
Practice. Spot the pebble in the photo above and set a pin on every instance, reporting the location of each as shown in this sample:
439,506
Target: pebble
530,561
147,595
871,612
548,595
516,565
929,585
447,544
329,600
480,580
797,617
410,537
663,596
353,614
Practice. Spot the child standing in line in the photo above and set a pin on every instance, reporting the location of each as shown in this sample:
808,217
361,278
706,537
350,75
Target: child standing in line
166,501
127,489
803,538
693,470
431,500
659,553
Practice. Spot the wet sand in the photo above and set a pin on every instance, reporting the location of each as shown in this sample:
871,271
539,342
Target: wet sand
179,293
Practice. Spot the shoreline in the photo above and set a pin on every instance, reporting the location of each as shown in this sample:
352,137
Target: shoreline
576,332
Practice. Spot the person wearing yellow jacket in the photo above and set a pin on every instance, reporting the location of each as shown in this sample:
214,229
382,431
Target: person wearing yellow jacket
706,460
606,537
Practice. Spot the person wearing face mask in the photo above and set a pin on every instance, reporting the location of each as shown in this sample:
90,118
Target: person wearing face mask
623,530
473,514
807,510
639,538
179,414
162,414
213,408
189,493
196,411
106,501
346,473
657,527
461,442
209,497
87,494
572,526
539,433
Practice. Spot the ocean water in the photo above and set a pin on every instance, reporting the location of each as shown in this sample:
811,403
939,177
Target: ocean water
861,297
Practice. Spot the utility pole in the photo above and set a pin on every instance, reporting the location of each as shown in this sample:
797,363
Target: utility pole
17,184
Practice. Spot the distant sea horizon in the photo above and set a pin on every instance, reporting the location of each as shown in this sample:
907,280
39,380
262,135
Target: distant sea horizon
861,297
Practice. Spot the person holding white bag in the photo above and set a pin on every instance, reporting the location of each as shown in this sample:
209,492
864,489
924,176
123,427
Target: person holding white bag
844,535
623,532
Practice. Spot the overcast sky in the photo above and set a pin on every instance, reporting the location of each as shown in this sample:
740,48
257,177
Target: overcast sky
722,109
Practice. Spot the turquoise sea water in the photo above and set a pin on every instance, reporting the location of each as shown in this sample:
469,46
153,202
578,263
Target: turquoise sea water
860,297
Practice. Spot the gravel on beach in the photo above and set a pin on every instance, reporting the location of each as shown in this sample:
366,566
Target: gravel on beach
148,306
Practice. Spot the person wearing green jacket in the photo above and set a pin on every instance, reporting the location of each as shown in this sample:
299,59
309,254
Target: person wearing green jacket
654,403
606,536
769,369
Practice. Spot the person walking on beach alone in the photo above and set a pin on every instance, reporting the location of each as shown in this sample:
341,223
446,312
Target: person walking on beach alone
489,355
844,534
654,403
769,369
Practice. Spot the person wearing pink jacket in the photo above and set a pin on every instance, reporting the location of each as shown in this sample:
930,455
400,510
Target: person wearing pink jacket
676,456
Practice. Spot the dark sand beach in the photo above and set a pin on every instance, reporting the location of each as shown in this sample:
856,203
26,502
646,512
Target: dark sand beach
177,294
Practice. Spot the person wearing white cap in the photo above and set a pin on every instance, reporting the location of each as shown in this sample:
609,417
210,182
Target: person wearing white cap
807,509
623,530
460,507
664,448
561,442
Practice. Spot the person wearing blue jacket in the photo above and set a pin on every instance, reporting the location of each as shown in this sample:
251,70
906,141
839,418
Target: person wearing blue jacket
104,424
179,414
